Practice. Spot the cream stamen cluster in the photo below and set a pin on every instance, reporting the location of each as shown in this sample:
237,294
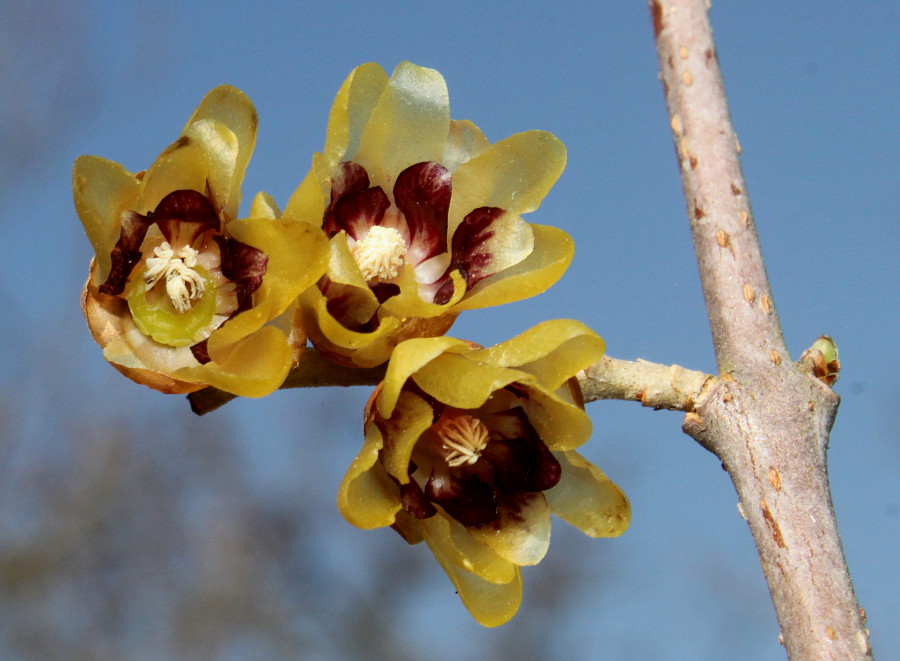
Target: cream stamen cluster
465,437
380,255
183,283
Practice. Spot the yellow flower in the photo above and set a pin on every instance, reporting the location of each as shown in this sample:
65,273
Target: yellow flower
181,293
472,449
424,216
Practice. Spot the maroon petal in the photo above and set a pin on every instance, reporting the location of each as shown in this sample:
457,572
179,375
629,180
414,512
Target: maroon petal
422,193
546,470
201,352
348,177
414,501
126,253
245,266
468,500
355,213
184,215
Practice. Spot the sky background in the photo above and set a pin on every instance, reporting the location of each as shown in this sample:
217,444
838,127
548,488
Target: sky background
176,504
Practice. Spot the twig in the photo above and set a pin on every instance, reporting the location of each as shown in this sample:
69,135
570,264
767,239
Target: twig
766,418
656,386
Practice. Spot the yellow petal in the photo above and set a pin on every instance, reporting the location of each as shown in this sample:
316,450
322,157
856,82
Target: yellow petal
554,351
182,166
408,357
311,198
465,141
233,109
255,366
103,190
351,110
553,251
264,206
221,147
464,383
409,304
366,497
560,424
408,125
489,603
514,174
461,549
409,420
522,535
588,499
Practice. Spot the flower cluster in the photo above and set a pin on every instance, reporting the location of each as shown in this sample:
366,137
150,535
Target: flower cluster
404,220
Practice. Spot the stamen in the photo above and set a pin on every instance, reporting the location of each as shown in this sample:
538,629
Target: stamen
381,254
183,283
466,437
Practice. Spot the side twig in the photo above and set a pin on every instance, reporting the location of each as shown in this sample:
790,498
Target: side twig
767,419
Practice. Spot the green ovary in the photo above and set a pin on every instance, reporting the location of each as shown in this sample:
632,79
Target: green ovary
154,314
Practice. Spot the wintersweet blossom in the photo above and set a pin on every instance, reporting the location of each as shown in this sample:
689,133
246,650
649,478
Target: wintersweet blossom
182,294
472,449
424,216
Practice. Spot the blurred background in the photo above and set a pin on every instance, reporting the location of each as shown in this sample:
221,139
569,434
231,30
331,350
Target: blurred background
131,529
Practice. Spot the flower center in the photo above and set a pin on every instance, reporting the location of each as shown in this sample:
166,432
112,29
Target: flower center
381,254
465,437
176,267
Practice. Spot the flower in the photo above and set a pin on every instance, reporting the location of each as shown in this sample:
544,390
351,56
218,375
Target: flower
424,216
472,449
181,293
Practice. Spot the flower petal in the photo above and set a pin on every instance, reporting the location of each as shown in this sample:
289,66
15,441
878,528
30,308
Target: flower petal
355,213
588,499
463,383
514,174
407,358
465,141
103,191
351,110
461,549
229,152
561,424
367,497
312,197
553,251
409,421
521,534
408,124
553,351
422,193
184,165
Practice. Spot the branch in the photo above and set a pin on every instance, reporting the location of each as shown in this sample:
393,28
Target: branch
656,386
768,420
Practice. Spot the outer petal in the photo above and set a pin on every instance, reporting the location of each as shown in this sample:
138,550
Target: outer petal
522,532
103,190
351,110
184,165
514,174
231,108
367,497
553,351
490,604
465,141
464,383
406,360
587,499
462,550
408,125
412,416
553,251
254,367
312,196
560,424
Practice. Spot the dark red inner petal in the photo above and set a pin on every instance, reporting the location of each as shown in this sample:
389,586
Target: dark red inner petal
348,177
467,499
422,193
245,266
414,501
468,254
183,215
355,213
126,252
201,352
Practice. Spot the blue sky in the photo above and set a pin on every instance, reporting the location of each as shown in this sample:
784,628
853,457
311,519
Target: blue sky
814,101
